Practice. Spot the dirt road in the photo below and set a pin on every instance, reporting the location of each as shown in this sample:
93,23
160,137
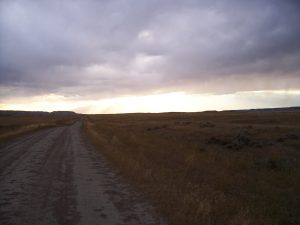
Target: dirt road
55,176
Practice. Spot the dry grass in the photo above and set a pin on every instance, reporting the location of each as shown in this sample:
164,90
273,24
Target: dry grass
233,168
14,126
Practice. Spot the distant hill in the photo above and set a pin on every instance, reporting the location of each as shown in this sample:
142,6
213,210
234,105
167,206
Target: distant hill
63,113
283,109
70,113
35,113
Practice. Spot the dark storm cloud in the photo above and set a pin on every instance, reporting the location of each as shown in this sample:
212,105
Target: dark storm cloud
115,46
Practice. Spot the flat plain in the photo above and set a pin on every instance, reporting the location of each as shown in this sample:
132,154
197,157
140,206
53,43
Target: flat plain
16,126
235,167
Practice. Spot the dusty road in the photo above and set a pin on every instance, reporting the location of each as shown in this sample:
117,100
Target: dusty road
55,176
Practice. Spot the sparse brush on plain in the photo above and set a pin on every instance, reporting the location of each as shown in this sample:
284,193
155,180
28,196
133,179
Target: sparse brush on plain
233,168
14,126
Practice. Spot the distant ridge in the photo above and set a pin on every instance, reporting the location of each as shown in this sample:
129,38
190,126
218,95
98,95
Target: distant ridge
35,113
283,109
63,113
70,113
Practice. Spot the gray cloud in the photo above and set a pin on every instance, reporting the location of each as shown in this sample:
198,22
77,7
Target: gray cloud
123,47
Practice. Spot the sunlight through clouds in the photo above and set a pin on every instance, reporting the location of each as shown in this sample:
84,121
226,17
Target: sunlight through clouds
148,56
167,102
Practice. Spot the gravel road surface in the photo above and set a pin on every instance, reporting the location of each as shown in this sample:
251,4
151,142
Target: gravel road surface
55,176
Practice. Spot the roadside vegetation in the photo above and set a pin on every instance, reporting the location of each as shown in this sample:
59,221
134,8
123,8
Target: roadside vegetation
15,126
212,168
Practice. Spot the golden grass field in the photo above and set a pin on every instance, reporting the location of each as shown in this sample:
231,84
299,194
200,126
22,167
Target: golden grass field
15,126
231,168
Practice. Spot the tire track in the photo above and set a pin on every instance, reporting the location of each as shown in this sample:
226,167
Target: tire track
22,177
14,153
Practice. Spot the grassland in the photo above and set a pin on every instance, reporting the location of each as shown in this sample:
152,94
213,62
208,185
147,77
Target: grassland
233,168
15,126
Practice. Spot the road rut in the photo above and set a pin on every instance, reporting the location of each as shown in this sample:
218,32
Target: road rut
56,176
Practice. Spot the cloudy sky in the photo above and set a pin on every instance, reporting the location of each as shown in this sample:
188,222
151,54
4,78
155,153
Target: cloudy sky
114,56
